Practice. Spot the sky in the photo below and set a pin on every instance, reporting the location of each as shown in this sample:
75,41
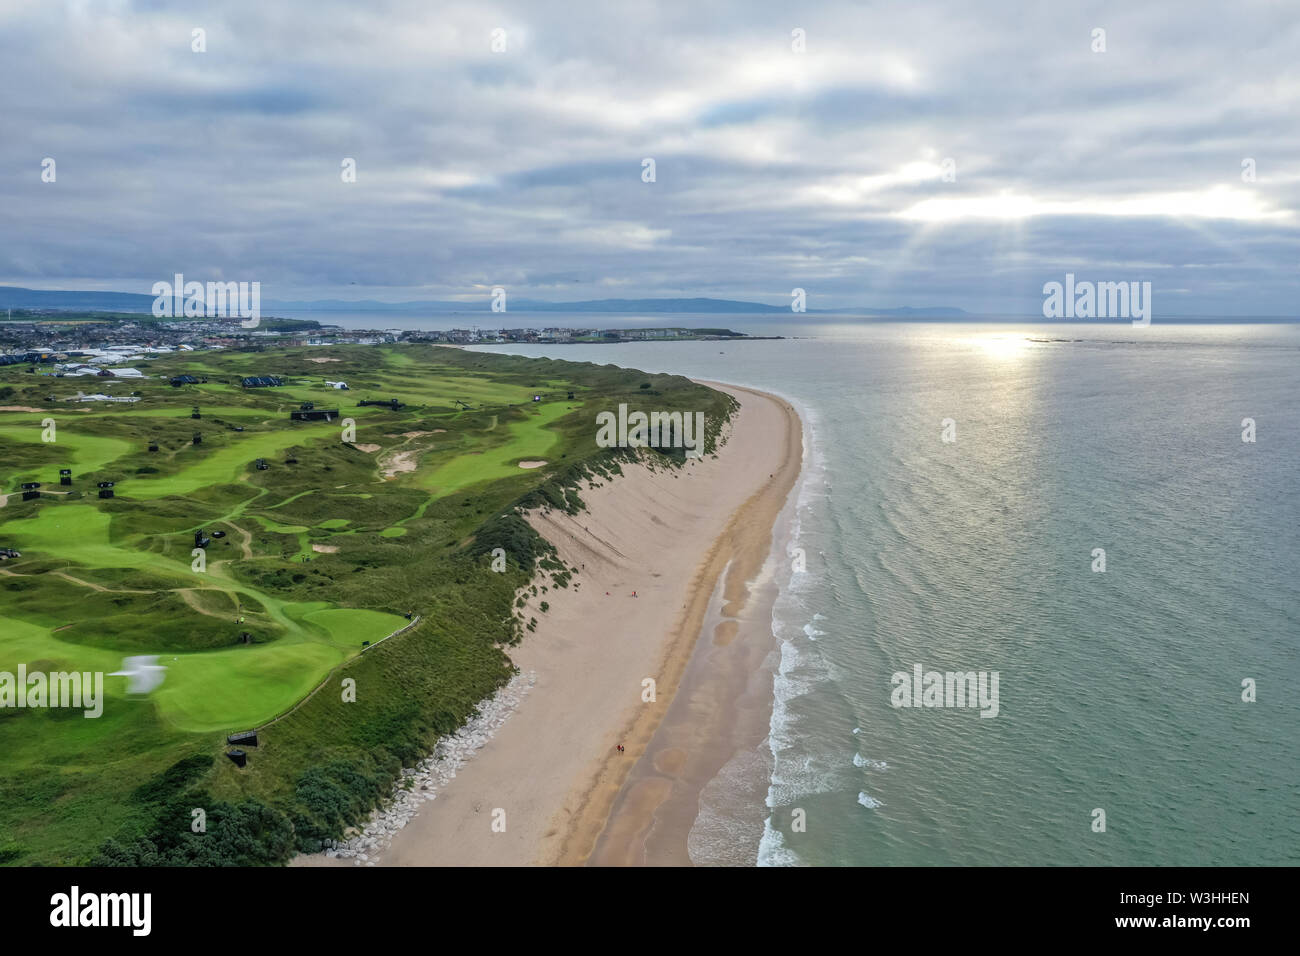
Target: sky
873,154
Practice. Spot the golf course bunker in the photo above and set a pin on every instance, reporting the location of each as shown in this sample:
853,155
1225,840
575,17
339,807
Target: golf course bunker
368,448
399,463
325,548
533,464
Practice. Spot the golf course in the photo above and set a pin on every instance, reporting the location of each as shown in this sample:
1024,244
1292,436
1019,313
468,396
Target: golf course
260,545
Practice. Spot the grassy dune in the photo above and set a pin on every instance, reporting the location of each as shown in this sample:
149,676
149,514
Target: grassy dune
329,548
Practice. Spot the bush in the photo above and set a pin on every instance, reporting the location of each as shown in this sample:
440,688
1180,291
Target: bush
244,834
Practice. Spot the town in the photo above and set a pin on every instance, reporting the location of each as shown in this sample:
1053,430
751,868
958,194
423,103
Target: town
106,344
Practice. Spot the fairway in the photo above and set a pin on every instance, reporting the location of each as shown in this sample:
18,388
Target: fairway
74,445
527,439
214,689
253,586
77,532
228,463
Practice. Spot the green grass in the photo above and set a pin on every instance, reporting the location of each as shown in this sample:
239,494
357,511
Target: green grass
530,438
75,446
100,580
230,462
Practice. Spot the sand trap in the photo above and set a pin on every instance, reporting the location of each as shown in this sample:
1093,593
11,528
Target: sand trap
417,434
322,360
325,548
554,762
368,448
19,408
401,462
532,464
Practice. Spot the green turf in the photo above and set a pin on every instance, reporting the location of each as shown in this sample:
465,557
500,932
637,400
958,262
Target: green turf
103,579
75,443
527,439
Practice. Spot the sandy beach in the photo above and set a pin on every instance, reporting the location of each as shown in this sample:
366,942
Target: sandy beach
661,554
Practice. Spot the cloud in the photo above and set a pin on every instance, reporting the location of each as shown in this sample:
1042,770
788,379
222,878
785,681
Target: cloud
1217,202
774,169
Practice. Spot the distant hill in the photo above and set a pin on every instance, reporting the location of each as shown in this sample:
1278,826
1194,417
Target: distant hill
701,305
649,305
698,306
13,297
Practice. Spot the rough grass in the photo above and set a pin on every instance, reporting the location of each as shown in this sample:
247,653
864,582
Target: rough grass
103,579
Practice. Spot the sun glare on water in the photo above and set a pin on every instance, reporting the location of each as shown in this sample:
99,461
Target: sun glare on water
1006,347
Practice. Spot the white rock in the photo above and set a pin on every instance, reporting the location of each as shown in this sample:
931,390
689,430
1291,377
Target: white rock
436,770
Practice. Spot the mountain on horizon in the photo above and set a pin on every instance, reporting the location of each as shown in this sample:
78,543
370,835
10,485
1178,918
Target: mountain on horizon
15,297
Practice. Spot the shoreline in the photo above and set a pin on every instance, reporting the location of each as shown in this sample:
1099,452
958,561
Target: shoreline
715,711
657,549
707,769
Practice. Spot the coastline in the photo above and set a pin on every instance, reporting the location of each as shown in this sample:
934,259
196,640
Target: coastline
689,543
707,767
623,805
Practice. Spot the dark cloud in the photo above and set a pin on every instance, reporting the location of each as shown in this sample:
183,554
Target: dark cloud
773,169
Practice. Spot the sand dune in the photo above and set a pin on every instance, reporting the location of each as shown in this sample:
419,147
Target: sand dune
650,549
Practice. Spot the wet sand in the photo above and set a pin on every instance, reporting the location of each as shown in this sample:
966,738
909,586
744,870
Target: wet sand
552,773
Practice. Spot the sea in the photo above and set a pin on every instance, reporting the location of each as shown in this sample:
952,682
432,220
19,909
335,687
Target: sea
1102,517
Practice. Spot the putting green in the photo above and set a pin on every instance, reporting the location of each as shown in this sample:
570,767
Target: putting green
204,690
527,439
280,528
233,688
237,688
348,626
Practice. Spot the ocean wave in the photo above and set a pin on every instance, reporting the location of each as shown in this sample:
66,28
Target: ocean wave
772,850
796,770
725,831
785,685
868,801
